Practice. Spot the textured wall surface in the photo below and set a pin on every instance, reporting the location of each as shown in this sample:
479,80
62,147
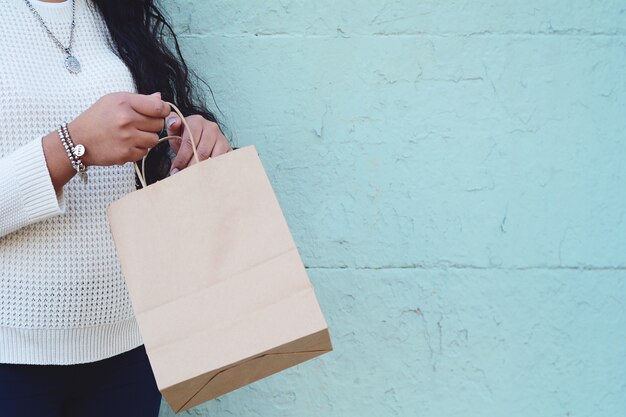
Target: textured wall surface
454,175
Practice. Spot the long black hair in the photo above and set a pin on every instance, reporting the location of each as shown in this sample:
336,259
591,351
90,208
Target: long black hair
146,42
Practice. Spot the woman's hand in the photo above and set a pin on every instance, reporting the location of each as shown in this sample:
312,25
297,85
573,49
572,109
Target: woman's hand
119,128
209,139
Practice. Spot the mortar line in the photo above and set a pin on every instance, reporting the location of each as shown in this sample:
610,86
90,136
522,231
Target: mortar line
564,33
471,267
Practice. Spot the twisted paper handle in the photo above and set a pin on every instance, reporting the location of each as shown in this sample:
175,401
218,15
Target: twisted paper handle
141,177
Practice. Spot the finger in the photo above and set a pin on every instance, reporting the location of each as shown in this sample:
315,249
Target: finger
221,146
149,105
137,154
174,124
145,140
184,155
148,124
205,146
175,144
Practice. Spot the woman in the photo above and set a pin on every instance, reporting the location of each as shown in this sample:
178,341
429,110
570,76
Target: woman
69,343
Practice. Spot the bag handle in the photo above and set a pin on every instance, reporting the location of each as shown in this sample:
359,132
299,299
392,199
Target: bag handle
141,177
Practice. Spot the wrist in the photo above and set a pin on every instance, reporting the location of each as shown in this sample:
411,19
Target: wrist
79,138
59,166
74,151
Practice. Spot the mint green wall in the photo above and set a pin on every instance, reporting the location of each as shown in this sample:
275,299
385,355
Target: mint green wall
454,175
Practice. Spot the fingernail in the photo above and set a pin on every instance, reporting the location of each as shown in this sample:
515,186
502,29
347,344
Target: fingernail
171,121
174,171
156,94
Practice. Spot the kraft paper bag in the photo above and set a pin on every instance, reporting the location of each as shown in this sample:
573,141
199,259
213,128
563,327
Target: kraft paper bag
218,287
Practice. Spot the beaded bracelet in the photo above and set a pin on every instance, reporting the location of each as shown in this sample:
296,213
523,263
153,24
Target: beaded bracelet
74,153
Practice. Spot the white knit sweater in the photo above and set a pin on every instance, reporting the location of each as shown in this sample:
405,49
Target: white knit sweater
62,295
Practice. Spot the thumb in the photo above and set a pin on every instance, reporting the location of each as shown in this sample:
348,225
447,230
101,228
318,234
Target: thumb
173,124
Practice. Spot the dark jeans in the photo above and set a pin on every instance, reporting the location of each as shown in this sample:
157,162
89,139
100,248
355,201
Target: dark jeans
121,386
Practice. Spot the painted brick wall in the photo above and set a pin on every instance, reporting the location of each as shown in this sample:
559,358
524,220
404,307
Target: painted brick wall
454,175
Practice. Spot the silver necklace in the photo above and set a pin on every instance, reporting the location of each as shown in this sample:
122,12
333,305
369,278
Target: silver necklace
71,63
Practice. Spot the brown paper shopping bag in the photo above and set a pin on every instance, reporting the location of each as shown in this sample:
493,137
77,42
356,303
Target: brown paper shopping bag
219,291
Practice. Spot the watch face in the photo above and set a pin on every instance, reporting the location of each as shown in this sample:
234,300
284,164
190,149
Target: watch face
79,150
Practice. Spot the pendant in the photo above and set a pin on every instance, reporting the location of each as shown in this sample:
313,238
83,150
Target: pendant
72,64
79,150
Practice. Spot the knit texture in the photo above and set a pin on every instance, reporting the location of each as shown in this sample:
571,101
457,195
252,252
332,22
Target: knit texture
62,295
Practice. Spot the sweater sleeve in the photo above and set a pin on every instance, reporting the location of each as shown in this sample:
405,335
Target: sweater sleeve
27,194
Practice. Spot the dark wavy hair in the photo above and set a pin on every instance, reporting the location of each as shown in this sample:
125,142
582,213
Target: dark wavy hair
144,39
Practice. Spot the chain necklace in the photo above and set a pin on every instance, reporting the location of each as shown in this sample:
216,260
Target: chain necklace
71,63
